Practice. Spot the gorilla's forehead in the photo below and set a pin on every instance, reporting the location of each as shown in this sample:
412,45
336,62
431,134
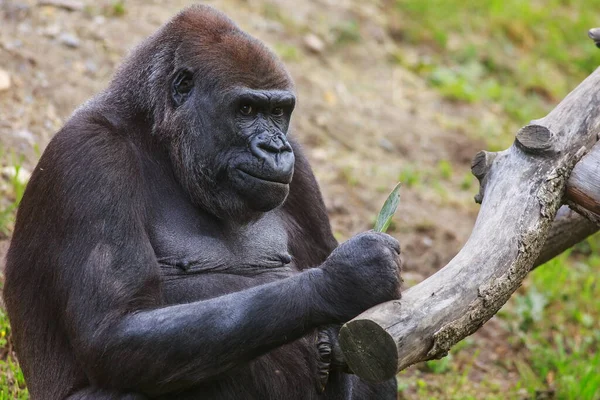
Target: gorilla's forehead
215,46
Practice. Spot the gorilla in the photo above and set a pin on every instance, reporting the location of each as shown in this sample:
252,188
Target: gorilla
172,242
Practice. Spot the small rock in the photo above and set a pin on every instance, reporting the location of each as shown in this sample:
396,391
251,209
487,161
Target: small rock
13,45
320,154
91,66
99,19
69,40
25,135
314,43
385,144
69,5
21,174
24,28
51,31
4,80
337,206
79,67
321,120
378,33
269,26
427,241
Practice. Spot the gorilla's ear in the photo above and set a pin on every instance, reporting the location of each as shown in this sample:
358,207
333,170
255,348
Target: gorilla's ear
182,86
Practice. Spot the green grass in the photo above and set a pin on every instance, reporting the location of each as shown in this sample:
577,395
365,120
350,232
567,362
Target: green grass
12,382
557,320
518,57
288,52
347,32
118,8
410,175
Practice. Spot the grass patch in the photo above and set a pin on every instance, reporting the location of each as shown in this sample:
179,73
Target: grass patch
12,382
347,32
522,56
288,52
13,179
556,319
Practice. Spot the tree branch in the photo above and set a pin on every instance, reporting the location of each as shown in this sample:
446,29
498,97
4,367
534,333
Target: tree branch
522,189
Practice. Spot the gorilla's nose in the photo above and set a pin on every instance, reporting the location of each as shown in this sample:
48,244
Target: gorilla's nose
274,155
266,146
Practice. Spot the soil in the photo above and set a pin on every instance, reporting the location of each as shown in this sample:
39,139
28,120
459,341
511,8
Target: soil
361,118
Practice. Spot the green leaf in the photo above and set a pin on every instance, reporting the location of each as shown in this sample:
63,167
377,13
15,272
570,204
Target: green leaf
384,218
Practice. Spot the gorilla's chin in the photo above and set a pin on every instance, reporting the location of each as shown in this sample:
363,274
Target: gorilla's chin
260,194
234,196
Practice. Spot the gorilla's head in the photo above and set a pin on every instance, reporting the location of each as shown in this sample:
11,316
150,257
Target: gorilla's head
222,102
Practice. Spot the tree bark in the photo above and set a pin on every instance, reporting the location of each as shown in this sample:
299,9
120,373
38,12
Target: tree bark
521,190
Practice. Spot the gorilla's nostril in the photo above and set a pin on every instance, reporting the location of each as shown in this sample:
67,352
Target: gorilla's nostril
270,147
274,145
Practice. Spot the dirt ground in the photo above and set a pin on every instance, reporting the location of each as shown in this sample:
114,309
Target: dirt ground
362,119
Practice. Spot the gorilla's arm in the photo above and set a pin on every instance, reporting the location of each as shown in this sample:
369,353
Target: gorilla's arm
158,350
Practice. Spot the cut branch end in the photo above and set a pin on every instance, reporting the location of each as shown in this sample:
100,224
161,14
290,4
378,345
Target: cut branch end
535,138
369,350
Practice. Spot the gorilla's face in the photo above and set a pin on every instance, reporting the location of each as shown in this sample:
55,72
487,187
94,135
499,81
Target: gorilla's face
230,148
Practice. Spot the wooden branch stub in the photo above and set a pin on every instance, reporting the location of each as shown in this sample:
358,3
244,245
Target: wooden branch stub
594,34
480,167
481,164
535,138
69,5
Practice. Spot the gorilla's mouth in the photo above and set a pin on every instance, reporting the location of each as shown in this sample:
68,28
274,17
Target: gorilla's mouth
280,180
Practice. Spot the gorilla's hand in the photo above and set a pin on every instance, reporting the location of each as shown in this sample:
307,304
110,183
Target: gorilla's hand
360,273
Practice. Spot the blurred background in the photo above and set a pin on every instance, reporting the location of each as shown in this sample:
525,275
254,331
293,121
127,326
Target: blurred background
389,90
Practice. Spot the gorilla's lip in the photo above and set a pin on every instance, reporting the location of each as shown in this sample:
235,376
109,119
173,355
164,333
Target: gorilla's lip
271,179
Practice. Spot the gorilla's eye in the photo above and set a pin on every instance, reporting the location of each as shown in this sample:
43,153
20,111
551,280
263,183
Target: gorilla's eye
246,109
182,86
185,85
184,82
277,111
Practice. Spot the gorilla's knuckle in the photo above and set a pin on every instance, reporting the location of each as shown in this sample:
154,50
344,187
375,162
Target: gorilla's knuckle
367,238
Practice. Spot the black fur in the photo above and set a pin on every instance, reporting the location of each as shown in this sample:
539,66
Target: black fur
173,244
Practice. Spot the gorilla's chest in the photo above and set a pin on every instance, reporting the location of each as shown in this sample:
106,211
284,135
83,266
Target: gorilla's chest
201,258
